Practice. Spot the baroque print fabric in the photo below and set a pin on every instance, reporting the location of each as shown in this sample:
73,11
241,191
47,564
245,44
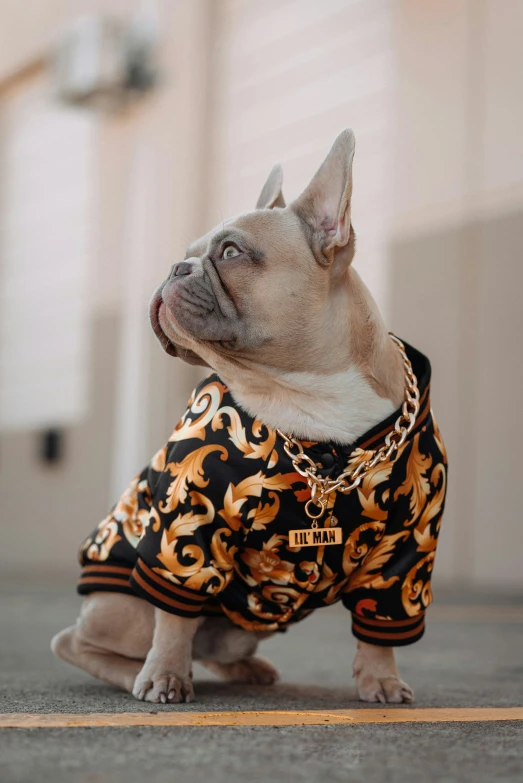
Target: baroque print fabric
203,529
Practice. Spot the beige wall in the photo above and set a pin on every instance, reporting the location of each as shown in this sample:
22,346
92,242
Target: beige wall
433,92
458,115
288,78
48,160
45,512
29,30
148,166
456,276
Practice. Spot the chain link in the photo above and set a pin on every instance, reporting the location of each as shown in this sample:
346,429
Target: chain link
351,478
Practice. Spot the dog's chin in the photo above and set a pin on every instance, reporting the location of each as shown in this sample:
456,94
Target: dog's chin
170,345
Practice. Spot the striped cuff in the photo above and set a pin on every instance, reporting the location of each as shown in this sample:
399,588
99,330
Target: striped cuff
175,599
106,577
388,633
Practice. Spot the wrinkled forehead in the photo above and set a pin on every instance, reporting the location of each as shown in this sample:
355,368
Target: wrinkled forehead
259,229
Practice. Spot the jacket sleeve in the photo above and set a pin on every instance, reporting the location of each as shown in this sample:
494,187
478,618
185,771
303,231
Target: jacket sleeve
108,554
389,589
186,554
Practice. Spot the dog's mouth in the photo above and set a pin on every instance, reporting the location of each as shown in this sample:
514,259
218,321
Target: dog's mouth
168,345
154,314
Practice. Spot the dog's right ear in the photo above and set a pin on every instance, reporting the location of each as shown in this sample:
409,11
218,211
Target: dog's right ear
271,195
324,207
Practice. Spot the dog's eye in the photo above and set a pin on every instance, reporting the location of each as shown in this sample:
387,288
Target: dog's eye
230,251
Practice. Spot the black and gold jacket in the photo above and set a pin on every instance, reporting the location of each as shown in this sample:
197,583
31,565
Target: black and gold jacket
203,529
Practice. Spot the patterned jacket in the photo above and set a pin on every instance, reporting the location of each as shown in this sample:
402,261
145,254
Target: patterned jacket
204,528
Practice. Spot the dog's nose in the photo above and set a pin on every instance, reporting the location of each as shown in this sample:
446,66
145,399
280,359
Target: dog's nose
182,268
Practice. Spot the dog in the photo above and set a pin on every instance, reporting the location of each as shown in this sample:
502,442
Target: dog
307,469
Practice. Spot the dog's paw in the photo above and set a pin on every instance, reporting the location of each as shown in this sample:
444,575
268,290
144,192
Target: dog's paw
162,687
387,690
255,671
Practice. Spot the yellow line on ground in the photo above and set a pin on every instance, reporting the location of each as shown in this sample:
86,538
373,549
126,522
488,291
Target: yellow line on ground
268,718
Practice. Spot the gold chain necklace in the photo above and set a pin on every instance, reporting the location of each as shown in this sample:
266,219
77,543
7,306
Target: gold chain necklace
351,477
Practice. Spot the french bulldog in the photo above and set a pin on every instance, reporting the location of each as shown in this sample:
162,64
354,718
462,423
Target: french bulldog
270,301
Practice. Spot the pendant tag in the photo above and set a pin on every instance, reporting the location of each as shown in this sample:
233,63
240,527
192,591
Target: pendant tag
319,536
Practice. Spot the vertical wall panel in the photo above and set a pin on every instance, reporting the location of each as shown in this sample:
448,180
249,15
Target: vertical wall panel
457,238
289,77
47,192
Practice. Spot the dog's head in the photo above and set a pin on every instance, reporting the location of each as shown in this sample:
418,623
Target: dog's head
262,288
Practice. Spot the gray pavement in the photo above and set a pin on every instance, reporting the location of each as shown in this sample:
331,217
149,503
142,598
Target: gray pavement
457,664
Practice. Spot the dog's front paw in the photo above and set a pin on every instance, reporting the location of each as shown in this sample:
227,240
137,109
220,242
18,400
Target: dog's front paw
165,687
389,690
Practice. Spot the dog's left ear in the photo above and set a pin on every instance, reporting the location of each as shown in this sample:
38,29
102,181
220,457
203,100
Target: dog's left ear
271,195
324,206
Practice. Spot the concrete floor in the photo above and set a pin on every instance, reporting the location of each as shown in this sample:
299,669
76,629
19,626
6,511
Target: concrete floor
459,663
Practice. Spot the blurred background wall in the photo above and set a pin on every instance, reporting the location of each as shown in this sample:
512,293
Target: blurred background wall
97,202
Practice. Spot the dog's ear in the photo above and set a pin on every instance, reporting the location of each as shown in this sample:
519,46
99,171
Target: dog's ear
324,205
271,195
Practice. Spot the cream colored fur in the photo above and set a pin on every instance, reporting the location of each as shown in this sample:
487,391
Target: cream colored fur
291,328
314,406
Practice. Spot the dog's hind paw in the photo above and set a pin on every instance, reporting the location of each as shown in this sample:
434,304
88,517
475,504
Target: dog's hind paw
387,690
255,671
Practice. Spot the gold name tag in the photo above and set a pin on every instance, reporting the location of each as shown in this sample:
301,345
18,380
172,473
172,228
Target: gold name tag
315,537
